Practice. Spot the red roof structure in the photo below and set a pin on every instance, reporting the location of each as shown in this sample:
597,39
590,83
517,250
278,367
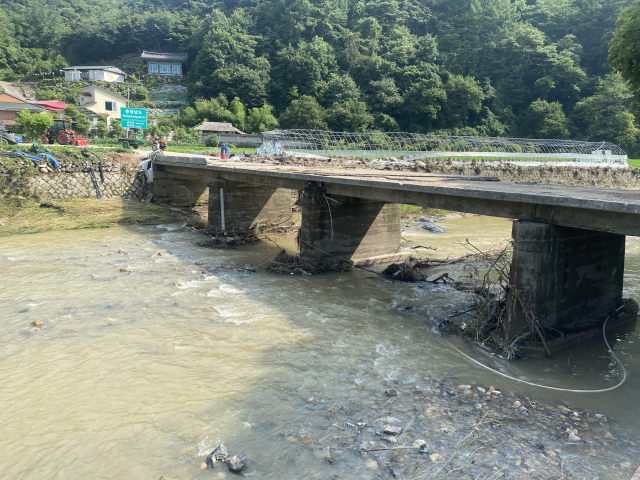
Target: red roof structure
55,106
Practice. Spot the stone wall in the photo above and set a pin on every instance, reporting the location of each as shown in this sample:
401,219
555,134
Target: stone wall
129,186
71,180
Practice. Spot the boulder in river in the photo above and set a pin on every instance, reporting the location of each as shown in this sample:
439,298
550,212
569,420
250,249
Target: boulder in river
220,454
432,227
236,463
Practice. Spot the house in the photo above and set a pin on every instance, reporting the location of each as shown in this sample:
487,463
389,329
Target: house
55,106
169,64
11,106
104,73
228,134
97,101
217,128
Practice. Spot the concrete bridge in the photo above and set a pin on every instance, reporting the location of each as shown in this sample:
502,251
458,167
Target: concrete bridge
569,242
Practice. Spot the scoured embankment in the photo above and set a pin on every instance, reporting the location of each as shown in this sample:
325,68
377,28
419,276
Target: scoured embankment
35,197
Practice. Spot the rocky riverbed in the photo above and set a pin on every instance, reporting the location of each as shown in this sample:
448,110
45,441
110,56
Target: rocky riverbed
437,429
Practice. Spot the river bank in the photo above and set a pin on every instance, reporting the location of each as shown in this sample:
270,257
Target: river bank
20,215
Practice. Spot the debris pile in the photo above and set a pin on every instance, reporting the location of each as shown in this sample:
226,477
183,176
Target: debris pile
285,263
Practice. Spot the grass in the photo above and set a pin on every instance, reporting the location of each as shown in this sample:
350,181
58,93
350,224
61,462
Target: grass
26,216
634,163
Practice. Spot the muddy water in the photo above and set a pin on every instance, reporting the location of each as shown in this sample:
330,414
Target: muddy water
140,374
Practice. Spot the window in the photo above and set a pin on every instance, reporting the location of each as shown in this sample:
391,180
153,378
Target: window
176,69
164,68
153,68
110,106
84,75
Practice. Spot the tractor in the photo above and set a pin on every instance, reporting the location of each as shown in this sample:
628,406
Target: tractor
62,133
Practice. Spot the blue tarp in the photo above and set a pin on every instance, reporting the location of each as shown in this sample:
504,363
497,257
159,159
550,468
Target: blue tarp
52,160
18,139
29,156
46,155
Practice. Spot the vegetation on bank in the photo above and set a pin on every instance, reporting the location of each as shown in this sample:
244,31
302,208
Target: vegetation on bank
19,215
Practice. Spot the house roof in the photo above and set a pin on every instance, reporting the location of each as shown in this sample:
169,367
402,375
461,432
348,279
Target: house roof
108,68
218,127
51,105
13,103
11,98
109,92
18,107
176,57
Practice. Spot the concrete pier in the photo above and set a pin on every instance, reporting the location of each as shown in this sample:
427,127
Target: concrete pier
178,190
568,278
238,207
364,232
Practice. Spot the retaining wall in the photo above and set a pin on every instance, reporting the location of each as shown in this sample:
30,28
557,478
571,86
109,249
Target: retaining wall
71,180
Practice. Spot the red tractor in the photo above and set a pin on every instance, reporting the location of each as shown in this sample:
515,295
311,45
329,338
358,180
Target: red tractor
62,133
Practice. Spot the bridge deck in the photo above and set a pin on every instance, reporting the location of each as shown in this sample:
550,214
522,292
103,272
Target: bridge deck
595,208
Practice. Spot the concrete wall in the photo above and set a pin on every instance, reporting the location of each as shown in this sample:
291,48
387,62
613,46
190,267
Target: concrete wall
244,205
568,278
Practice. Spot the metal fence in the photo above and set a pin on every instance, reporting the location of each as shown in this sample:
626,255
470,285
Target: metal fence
416,146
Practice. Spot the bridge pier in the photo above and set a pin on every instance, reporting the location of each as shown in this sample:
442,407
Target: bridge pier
364,232
178,190
569,279
238,207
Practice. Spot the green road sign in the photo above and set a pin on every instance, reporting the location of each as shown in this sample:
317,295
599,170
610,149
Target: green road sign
133,117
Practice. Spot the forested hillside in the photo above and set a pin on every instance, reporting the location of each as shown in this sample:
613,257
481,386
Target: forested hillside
535,68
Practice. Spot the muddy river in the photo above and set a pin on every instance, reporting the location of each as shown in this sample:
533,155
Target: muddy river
153,351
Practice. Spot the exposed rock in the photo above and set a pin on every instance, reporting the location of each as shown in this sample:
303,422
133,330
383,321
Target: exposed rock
236,463
390,430
389,439
37,323
392,392
307,440
536,444
436,457
220,454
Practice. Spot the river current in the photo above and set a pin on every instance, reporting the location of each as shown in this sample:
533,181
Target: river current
154,350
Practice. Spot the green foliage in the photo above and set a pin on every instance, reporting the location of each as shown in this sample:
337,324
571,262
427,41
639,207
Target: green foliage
349,116
544,120
304,112
261,120
115,129
82,125
34,124
101,128
605,115
624,51
142,94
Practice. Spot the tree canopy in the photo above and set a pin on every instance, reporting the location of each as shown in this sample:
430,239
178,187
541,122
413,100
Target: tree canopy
486,67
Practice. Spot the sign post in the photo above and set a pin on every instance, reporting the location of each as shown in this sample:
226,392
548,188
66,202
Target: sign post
133,117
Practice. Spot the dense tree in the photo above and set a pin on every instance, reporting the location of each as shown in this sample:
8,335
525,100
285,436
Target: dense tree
261,120
350,116
605,115
544,120
304,112
624,53
34,124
